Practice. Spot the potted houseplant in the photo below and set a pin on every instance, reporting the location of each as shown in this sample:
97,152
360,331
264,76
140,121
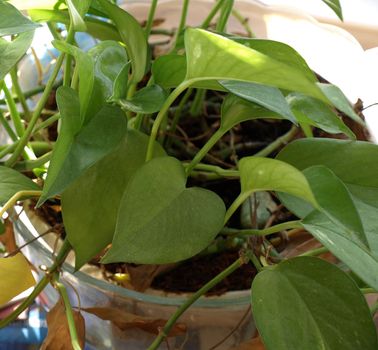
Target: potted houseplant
123,177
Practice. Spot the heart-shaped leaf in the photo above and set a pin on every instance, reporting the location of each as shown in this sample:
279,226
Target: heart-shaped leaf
266,96
339,100
85,65
132,35
236,110
12,21
146,100
316,113
155,220
78,148
105,181
11,182
265,174
308,303
12,51
15,277
214,57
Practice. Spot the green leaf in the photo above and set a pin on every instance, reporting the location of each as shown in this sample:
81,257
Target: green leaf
316,113
335,200
308,303
335,6
132,35
169,70
76,18
265,174
85,65
12,52
110,59
266,96
15,276
146,100
155,221
11,182
78,149
236,110
120,83
95,27
105,181
12,21
213,57
339,100
2,227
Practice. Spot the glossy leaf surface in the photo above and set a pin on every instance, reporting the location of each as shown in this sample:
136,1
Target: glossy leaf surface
155,221
11,52
11,182
106,181
266,96
316,113
12,21
146,100
15,277
236,110
79,148
213,57
132,35
308,303
265,174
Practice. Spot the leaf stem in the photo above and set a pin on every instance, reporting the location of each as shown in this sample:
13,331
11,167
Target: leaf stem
170,323
216,170
16,197
235,205
151,16
184,14
37,112
282,140
15,115
316,251
224,15
66,247
160,117
205,24
69,314
20,95
7,127
244,22
204,150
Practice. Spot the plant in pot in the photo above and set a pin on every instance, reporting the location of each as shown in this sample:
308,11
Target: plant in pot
173,159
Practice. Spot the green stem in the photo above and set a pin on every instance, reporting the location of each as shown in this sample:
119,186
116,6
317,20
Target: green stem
235,205
315,252
307,130
47,123
160,117
69,314
7,128
39,147
282,140
16,118
184,14
244,22
37,112
69,60
216,170
266,231
16,197
195,108
205,24
170,323
224,15
66,247
35,163
150,20
20,95
204,150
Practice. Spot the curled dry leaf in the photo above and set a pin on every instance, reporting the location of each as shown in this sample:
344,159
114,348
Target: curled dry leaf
125,320
58,335
253,344
7,238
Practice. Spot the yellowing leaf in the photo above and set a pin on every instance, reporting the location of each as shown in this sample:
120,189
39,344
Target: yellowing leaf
15,277
58,336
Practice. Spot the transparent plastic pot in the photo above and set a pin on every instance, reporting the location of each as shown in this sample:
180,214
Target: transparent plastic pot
208,321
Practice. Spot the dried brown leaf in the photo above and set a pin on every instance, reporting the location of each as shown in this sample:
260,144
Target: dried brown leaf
125,320
7,238
253,344
58,335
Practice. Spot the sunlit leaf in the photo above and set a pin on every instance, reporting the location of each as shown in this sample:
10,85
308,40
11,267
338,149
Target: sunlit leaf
308,303
76,17
107,179
12,21
15,277
316,113
158,208
11,182
12,51
132,35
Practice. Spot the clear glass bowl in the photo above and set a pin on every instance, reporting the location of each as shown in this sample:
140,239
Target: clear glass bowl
208,321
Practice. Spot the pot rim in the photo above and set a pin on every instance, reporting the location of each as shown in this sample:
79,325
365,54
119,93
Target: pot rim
25,228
